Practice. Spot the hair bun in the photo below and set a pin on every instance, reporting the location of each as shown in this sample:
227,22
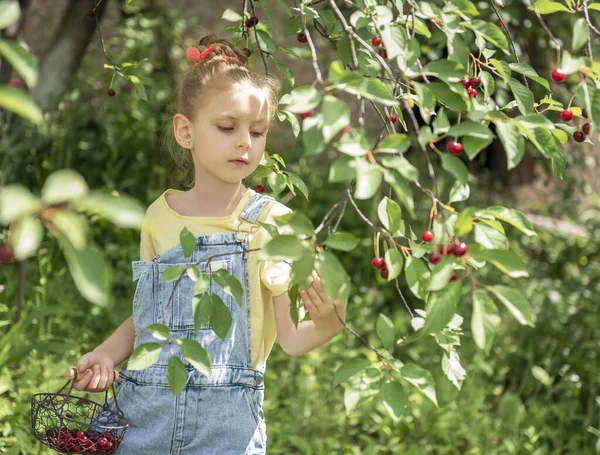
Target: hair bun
224,47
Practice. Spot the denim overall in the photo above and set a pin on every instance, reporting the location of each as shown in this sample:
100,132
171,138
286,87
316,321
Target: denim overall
216,415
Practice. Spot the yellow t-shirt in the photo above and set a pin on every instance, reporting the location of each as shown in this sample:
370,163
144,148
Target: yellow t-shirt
266,278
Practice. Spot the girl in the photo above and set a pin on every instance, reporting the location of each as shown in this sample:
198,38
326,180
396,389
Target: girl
224,112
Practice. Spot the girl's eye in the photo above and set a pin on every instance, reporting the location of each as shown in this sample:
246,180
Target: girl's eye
256,133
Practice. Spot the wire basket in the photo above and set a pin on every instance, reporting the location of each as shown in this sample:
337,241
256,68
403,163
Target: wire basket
70,424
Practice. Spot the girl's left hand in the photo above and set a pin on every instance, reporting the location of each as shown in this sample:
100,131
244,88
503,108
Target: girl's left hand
320,308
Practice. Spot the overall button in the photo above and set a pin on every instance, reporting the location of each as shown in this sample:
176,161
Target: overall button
259,380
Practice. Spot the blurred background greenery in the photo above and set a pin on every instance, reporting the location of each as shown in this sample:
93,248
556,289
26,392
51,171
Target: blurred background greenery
536,392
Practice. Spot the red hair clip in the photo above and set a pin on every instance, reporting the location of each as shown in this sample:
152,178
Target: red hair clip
194,54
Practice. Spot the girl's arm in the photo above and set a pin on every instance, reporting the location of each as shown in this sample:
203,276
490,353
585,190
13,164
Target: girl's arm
309,335
119,345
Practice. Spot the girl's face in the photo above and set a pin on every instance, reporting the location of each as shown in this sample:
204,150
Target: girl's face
230,123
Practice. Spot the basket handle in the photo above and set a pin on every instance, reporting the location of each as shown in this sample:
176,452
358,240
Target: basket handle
71,374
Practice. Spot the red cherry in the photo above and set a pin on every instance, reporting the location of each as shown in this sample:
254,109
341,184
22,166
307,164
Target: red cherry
558,75
302,38
460,249
566,115
92,13
454,148
376,41
260,188
434,257
586,128
15,83
453,277
475,82
384,273
6,254
464,81
378,263
584,113
251,22
472,92
579,136
110,92
307,114
393,118
382,52
446,249
501,24
427,236
103,443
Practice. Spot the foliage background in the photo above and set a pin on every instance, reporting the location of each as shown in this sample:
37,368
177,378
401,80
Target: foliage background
537,391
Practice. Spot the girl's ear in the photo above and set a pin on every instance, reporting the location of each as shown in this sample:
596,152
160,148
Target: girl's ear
182,130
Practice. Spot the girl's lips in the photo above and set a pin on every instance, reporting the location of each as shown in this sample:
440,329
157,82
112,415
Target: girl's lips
239,162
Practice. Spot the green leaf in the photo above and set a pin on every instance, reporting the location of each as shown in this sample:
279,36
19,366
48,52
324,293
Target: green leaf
188,242
26,237
342,170
425,101
64,185
505,260
484,320
173,272
202,308
503,68
468,128
21,61
334,278
528,71
303,99
158,331
441,306
368,179
489,237
459,192
385,330
455,166
144,356
231,15
89,270
394,39
282,247
464,222
10,12
403,166
342,241
548,7
474,145
445,70
515,302
17,201
73,226
265,41
194,353
349,369
402,190
441,124
369,88
394,261
220,318
294,223
394,399
487,81
18,101
447,97
394,143
511,216
417,277
390,215
230,284
336,116
421,379
465,7
512,141
440,275
490,32
523,96
121,210
354,143
176,375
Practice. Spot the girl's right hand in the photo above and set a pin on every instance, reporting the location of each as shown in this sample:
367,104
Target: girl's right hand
95,372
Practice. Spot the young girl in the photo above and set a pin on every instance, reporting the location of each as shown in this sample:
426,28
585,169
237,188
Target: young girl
224,112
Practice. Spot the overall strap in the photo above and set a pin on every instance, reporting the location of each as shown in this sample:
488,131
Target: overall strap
249,215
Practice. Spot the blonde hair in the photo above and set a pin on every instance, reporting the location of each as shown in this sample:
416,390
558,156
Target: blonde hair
214,73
